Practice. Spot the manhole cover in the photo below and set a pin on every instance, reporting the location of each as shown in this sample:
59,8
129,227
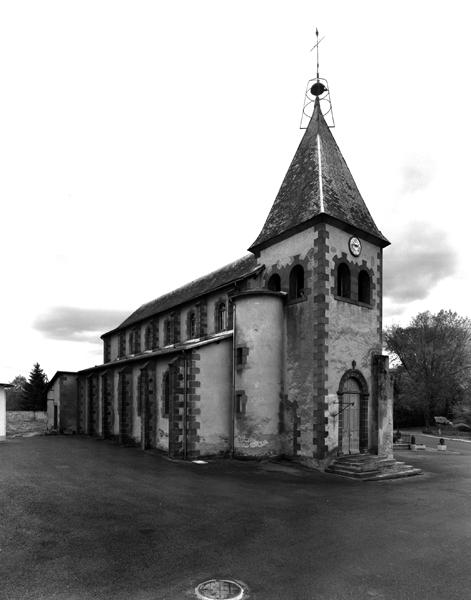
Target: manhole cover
216,589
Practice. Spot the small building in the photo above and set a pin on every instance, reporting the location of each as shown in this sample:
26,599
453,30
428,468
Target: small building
277,353
3,411
62,402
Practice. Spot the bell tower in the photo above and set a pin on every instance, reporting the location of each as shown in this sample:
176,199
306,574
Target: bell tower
321,246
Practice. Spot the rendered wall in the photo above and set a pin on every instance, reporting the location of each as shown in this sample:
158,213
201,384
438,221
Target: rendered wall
214,374
3,414
68,403
259,380
162,420
136,412
300,324
53,399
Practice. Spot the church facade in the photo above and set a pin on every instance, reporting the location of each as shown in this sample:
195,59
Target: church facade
276,354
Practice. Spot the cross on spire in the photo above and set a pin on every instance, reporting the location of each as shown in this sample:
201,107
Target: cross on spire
316,45
318,88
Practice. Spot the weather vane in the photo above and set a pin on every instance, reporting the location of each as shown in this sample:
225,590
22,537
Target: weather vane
317,88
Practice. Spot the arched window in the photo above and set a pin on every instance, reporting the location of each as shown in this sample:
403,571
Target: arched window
274,283
135,341
166,394
131,342
343,281
155,333
296,282
191,325
168,331
122,344
148,338
221,316
364,287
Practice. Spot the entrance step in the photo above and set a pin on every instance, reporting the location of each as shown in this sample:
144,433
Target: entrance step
370,467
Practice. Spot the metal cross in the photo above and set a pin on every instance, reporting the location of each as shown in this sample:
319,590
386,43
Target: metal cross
316,45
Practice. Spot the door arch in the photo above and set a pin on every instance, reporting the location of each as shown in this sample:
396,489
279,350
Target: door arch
353,413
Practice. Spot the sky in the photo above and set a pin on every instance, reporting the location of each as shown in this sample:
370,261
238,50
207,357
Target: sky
142,144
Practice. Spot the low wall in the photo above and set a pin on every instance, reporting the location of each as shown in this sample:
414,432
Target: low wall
25,422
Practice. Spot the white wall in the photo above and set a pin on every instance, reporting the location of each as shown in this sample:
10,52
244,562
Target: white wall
3,414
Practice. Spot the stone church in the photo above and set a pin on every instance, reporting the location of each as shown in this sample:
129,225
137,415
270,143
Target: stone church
276,354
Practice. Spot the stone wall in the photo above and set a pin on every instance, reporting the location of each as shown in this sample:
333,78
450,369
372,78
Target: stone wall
24,423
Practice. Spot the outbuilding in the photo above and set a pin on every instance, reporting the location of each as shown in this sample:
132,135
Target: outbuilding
3,411
62,402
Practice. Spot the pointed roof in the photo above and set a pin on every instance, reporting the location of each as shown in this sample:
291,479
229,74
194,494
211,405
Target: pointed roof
318,182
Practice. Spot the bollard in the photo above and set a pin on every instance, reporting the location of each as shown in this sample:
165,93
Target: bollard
441,446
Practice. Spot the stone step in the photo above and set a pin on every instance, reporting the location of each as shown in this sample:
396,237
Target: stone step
409,472
364,475
371,464
369,467
348,458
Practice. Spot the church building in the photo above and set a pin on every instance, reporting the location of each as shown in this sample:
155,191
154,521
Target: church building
276,354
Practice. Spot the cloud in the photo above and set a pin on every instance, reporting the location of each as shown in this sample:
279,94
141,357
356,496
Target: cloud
416,175
393,311
418,259
77,324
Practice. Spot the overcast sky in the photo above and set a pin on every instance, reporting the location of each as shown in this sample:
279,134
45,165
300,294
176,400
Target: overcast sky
143,143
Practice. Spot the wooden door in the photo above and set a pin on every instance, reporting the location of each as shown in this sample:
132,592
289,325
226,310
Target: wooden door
351,417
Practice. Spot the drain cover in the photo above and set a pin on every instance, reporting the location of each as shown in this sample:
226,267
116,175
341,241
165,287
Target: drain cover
217,589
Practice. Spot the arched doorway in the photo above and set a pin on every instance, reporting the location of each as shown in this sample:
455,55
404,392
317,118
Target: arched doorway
353,413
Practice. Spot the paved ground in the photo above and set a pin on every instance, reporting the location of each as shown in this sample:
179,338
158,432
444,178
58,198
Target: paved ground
84,519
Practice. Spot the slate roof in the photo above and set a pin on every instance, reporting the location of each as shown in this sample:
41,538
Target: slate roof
318,182
238,269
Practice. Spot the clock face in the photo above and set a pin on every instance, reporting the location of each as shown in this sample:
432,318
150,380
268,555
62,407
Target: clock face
355,246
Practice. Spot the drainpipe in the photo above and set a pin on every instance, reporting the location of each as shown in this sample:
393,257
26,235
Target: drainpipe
232,430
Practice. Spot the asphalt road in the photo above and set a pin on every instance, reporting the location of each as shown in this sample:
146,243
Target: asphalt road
85,519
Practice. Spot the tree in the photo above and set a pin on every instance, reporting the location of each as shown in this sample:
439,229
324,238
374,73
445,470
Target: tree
407,410
434,351
34,394
14,395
